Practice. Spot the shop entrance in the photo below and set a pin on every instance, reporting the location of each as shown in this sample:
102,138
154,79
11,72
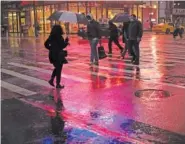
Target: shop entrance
13,22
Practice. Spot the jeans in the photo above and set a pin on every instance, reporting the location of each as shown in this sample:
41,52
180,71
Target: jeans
134,44
115,40
94,52
57,72
177,32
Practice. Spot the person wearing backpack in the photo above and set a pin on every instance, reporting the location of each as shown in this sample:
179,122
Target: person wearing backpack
57,55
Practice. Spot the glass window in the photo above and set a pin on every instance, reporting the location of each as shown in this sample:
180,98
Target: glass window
73,28
82,8
99,13
93,12
47,13
10,26
40,18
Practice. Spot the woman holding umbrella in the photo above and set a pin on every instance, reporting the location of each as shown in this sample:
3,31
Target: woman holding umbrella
56,44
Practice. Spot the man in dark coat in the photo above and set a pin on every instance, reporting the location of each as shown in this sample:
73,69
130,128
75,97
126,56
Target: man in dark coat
125,40
113,37
135,33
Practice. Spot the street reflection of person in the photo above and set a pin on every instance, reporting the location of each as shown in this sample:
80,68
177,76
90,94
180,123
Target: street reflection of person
135,33
57,54
113,37
93,34
57,122
125,39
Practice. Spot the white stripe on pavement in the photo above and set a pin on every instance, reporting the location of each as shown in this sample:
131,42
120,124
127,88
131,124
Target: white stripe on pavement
132,78
25,77
17,89
127,77
78,79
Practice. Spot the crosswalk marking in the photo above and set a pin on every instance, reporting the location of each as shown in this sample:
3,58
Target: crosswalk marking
17,89
42,82
78,79
25,77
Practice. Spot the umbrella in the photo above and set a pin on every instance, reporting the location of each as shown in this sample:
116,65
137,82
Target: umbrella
67,16
121,17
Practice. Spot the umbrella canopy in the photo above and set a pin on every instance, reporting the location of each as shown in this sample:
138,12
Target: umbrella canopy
121,17
67,16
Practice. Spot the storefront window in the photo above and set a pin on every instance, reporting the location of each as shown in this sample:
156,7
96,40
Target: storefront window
13,22
140,13
73,27
40,19
10,22
93,12
82,8
47,14
135,10
104,13
99,13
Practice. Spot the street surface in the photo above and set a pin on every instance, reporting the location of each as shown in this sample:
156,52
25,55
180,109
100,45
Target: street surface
113,103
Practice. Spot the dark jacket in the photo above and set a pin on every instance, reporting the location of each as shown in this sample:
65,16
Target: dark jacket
113,31
57,48
125,31
135,30
93,30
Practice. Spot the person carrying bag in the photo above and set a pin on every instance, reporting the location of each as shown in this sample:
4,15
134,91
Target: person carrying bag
57,55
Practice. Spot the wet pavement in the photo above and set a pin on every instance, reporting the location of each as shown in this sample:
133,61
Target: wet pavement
113,103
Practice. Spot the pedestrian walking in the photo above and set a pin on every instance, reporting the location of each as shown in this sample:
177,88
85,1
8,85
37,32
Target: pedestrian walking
177,30
125,40
37,29
113,37
93,34
135,32
56,44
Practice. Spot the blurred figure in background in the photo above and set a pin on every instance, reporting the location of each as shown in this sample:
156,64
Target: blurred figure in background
114,37
177,30
135,33
93,34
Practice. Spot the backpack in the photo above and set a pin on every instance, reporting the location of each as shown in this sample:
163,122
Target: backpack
47,44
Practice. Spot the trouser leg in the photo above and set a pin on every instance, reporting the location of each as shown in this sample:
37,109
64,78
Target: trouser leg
117,43
94,50
125,50
136,50
58,70
92,56
110,45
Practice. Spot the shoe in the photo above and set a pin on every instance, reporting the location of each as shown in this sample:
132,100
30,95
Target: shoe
59,86
96,63
136,62
133,59
91,63
51,82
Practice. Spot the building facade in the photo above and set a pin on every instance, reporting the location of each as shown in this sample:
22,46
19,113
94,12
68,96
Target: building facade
179,11
21,15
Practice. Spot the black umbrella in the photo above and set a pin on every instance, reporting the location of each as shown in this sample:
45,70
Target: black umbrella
67,16
121,17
